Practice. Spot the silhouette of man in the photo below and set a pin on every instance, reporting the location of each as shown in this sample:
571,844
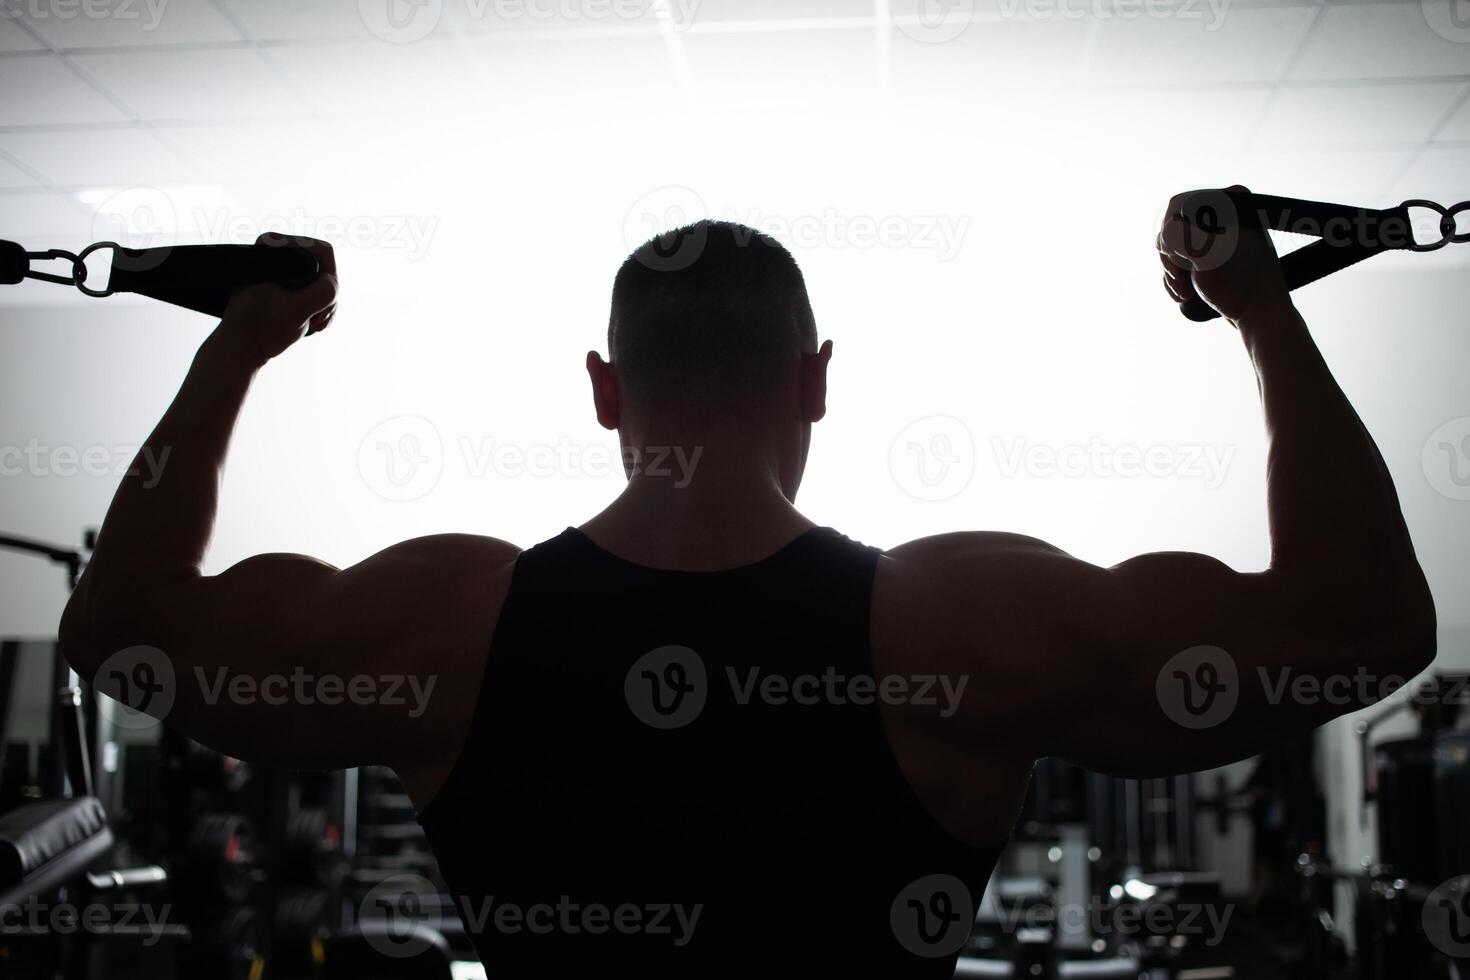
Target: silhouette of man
701,734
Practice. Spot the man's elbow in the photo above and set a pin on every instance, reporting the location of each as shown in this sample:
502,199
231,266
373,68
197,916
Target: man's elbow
1419,634
107,615
76,634
1404,627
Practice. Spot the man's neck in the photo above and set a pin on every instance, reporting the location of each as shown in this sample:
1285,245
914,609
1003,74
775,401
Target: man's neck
715,520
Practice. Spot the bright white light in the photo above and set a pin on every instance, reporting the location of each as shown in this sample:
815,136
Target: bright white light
1139,890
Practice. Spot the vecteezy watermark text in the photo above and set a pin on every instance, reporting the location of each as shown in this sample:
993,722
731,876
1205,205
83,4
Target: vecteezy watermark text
1209,464
138,686
1201,687
148,12
40,460
408,903
302,687
668,688
34,917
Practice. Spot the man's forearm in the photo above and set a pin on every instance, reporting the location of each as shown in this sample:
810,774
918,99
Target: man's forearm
159,525
1335,516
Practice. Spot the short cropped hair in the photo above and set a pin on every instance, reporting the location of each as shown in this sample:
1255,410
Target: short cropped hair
708,315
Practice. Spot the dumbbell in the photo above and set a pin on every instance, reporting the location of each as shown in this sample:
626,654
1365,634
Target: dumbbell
231,947
301,928
311,848
220,858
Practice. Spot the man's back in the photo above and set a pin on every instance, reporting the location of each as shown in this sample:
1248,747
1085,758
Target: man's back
683,771
1160,664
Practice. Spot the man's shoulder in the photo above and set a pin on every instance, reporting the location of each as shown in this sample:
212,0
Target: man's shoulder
455,547
957,556
966,590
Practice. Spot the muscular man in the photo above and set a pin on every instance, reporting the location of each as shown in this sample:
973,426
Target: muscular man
701,734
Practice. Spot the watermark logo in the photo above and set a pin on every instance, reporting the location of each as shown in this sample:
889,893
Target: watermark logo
1199,688
402,458
932,21
149,13
942,235
136,687
657,216
667,688
36,459
1210,230
932,916
400,21
942,692
139,218
1208,464
933,459
1450,19
1129,913
34,917
1446,917
1210,12
1446,459
408,906
154,218
412,692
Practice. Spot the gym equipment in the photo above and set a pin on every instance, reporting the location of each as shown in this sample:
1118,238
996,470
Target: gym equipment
221,857
1421,784
48,851
375,951
1348,234
300,927
233,949
197,277
1452,802
312,849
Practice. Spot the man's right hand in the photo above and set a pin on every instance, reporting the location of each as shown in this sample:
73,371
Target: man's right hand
1231,265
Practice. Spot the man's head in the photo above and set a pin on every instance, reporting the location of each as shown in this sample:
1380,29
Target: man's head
712,339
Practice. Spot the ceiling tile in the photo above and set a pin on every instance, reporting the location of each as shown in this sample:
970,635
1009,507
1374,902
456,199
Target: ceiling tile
787,68
13,38
54,94
104,157
1345,176
1457,127
1006,54
13,176
1437,174
1212,44
292,20
703,12
371,77
135,22
472,17
1158,120
46,219
248,148
1326,114
543,81
1381,40
207,84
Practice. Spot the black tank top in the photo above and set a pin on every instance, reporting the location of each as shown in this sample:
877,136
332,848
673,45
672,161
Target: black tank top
686,774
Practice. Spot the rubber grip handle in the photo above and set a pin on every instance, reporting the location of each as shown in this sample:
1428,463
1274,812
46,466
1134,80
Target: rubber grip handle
1198,310
1350,235
14,263
203,277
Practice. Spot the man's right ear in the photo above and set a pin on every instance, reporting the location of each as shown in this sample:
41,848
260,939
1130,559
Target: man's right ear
605,395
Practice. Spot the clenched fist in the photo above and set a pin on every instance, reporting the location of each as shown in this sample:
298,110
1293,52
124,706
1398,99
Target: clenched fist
263,320
1211,250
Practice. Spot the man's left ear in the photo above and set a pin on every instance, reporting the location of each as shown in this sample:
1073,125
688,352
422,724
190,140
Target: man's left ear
604,390
814,383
